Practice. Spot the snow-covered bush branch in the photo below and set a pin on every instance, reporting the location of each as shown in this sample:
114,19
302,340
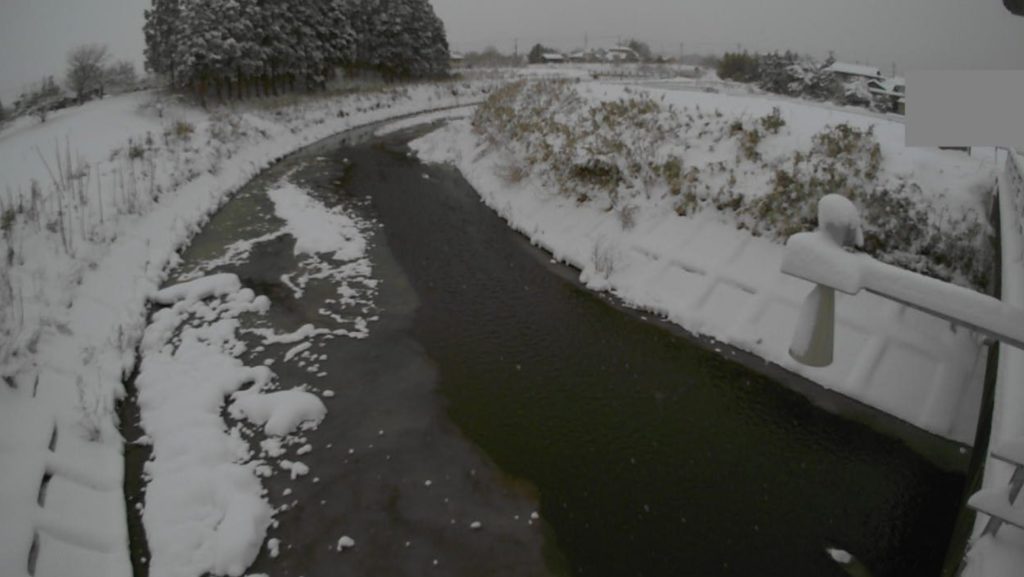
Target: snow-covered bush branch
637,146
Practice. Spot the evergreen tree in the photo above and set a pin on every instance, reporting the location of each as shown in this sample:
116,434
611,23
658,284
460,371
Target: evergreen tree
3,112
228,47
779,73
401,38
536,55
642,49
160,29
739,66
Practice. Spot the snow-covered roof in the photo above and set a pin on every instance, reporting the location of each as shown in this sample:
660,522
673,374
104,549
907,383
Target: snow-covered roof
553,56
855,69
888,86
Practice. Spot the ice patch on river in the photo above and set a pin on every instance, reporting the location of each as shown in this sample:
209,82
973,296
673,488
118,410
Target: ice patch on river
206,510
331,246
316,228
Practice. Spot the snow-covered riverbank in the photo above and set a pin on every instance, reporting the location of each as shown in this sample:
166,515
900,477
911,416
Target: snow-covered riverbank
131,180
703,273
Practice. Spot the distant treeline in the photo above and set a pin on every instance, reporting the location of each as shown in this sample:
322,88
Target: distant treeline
241,48
787,73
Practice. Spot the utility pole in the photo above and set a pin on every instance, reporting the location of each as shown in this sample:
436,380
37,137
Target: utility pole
586,41
516,50
681,53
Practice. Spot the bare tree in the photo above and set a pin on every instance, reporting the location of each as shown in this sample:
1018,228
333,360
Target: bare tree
40,99
120,76
86,70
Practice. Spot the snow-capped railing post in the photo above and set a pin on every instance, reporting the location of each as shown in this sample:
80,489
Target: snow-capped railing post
822,258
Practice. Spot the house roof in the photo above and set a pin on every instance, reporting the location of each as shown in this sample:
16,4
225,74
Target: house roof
855,69
888,86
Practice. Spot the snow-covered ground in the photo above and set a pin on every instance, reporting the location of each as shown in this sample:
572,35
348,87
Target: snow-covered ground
1002,555
121,185
703,273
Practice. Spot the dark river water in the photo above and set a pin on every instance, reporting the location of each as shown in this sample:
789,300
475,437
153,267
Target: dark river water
512,389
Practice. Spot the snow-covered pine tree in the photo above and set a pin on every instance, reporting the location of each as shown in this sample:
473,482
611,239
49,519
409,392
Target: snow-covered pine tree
228,47
244,55
281,44
161,21
338,34
198,47
324,39
435,55
400,38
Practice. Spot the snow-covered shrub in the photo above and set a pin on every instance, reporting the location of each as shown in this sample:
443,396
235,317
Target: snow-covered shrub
587,152
901,227
773,122
617,152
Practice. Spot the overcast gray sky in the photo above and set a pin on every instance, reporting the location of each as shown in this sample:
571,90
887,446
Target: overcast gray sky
36,34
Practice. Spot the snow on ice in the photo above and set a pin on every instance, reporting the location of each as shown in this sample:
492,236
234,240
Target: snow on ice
190,369
281,412
840,556
316,228
204,510
345,542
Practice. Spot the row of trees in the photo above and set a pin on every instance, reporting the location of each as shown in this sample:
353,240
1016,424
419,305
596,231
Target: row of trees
783,73
491,56
241,47
91,73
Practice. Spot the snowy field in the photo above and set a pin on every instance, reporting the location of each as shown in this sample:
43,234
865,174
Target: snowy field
704,273
95,204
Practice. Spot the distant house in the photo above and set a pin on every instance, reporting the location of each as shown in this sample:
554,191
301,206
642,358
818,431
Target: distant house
580,56
621,54
895,87
891,89
552,58
848,72
456,59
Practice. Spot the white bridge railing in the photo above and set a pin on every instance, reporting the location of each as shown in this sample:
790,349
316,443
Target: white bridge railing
1004,471
824,258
